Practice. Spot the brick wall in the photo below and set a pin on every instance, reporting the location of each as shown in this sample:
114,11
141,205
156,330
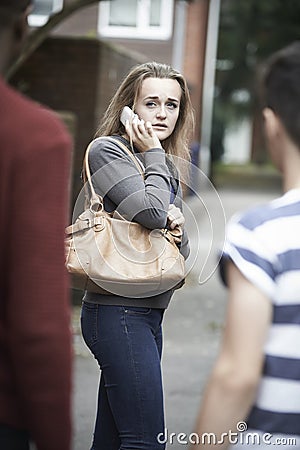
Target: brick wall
79,76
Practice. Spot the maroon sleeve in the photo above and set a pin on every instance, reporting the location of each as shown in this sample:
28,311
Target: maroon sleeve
38,312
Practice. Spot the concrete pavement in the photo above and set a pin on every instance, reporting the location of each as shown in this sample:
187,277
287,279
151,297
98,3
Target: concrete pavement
192,325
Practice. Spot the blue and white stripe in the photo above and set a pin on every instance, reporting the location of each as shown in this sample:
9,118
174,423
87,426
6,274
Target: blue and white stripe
264,243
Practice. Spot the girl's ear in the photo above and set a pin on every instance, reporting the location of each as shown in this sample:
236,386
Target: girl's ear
271,123
275,136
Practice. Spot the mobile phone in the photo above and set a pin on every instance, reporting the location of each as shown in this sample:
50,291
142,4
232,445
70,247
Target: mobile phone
128,114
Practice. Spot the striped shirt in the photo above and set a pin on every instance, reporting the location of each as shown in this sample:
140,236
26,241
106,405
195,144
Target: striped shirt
264,243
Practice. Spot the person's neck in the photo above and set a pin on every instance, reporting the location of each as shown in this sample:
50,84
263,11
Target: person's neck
291,169
289,184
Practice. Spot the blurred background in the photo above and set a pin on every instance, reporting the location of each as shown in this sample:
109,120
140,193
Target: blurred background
77,54
80,50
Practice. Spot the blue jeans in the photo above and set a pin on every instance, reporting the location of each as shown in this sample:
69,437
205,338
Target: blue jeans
127,343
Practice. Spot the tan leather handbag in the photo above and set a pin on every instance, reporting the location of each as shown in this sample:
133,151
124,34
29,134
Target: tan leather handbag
110,255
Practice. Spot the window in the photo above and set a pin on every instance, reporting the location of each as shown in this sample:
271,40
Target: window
42,10
136,19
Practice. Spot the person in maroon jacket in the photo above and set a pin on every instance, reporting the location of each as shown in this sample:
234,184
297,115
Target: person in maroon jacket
35,337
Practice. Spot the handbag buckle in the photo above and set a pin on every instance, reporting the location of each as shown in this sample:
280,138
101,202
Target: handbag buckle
96,222
166,234
173,236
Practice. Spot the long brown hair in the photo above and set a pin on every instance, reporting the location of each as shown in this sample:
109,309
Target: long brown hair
177,144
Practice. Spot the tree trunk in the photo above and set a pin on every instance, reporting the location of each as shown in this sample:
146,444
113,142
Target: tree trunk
40,34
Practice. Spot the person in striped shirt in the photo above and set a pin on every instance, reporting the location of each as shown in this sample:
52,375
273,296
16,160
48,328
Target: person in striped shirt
252,399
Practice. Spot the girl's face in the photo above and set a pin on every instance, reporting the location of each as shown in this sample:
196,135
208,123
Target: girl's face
158,102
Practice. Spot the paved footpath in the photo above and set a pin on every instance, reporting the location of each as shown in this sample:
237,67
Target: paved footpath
192,325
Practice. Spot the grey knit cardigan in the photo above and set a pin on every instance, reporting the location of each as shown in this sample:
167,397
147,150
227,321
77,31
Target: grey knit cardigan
146,201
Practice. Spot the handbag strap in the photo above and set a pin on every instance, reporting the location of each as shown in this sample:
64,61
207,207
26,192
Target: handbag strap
95,198
131,154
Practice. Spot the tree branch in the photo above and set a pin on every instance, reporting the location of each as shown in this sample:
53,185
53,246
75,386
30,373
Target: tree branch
40,34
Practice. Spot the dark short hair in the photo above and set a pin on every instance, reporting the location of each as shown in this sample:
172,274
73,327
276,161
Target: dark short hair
281,88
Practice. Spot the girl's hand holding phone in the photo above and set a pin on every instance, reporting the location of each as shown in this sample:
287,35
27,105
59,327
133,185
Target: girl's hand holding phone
139,132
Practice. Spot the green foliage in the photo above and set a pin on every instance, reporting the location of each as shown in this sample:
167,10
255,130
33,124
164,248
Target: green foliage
250,30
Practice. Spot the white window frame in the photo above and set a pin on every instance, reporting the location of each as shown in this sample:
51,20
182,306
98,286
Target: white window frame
143,30
38,20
